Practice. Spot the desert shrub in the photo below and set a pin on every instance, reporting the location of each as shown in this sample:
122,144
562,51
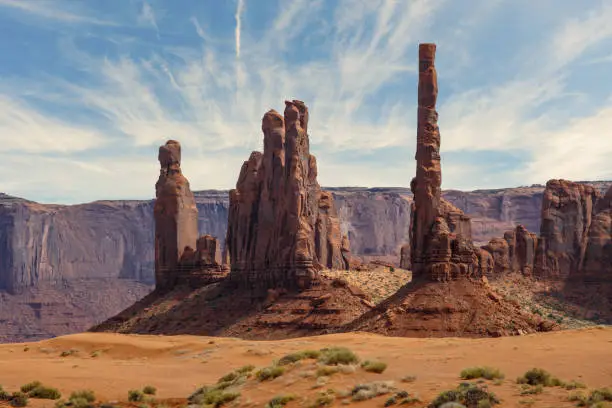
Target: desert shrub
280,401
269,373
135,396
401,398
42,392
337,355
30,386
87,395
538,376
600,395
70,352
19,399
374,366
4,396
212,396
363,392
580,397
488,373
602,404
532,390
573,385
324,399
467,394
409,378
298,356
326,371
149,390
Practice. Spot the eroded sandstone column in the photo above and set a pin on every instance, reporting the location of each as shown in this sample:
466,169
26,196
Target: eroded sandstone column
427,183
175,213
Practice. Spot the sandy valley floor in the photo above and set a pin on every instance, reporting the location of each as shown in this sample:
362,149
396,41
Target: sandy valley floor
112,364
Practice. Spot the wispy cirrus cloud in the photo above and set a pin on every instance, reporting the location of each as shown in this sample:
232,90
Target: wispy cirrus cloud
513,109
50,10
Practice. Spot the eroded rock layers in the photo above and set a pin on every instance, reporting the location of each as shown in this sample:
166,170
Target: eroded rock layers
282,228
180,256
440,233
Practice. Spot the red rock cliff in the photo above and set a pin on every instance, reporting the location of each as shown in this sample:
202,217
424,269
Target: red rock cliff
567,210
282,228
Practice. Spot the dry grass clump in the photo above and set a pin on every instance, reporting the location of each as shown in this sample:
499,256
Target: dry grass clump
270,373
374,366
363,392
298,356
488,373
467,394
337,356
538,376
78,399
280,401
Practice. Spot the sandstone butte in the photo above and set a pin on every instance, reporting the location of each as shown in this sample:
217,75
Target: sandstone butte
282,230
449,295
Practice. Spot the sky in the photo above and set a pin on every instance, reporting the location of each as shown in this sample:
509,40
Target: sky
89,90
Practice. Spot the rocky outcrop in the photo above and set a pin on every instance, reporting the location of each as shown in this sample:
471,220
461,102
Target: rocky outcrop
176,216
515,252
282,228
440,233
597,262
567,210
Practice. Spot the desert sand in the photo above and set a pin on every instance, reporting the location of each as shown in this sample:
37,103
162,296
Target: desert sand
112,364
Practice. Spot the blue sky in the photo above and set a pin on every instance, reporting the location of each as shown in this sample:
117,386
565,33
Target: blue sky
90,89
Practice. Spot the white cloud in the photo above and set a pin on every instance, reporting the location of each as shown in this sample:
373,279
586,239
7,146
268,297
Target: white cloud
23,129
213,101
50,10
238,17
147,17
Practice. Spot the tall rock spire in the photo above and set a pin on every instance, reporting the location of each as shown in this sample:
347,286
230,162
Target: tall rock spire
176,216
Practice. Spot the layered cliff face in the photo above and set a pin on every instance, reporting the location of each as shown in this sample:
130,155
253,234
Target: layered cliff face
282,228
597,265
567,210
375,219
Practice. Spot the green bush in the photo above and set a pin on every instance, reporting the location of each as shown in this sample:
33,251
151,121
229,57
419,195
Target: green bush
488,373
338,355
468,394
42,392
4,396
19,399
538,376
30,386
149,390
374,366
280,401
135,396
299,355
212,396
269,373
87,395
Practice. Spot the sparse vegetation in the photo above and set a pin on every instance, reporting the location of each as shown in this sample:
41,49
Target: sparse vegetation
326,371
338,355
149,390
532,390
270,373
324,399
212,396
573,385
488,373
538,376
87,395
70,352
363,392
280,401
30,386
409,378
42,392
374,366
298,356
4,396
468,394
236,377
136,396
19,399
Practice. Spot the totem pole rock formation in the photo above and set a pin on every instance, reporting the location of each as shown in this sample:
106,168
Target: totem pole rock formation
180,256
440,234
282,228
175,213
567,210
